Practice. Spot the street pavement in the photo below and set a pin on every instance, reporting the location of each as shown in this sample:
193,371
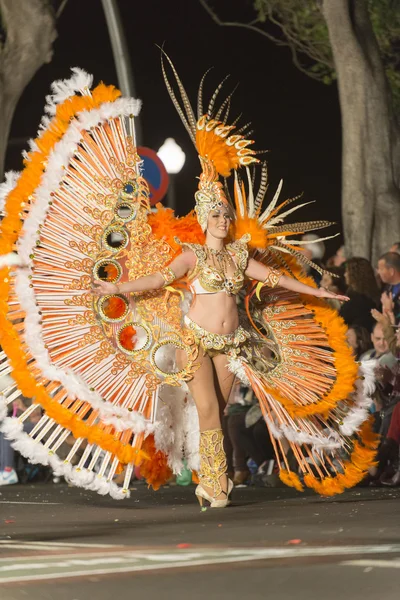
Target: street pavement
61,543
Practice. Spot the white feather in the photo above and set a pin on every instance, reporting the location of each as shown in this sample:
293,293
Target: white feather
272,204
279,218
9,183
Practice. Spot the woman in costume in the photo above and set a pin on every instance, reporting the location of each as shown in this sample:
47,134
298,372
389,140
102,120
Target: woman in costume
217,273
110,368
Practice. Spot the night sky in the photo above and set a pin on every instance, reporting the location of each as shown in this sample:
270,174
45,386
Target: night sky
295,118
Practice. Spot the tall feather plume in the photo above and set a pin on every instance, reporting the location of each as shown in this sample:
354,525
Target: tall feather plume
299,255
236,120
281,260
250,195
301,227
276,216
272,204
214,97
188,120
262,190
227,111
243,129
200,95
225,105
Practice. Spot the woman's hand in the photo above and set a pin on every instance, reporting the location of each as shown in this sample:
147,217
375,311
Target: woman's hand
323,293
104,288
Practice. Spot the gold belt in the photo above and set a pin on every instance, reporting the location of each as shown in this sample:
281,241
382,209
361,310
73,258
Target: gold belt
214,343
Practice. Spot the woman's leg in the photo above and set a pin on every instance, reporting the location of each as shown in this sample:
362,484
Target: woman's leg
223,379
202,389
212,472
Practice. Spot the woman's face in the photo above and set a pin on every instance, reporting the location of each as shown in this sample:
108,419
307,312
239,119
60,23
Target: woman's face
352,339
218,223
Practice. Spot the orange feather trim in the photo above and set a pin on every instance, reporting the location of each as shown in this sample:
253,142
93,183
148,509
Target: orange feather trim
291,479
355,469
155,469
215,148
165,225
245,225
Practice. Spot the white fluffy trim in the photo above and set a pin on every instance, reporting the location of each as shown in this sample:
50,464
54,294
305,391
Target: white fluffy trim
9,183
236,366
170,427
10,260
36,453
58,161
317,442
363,399
80,81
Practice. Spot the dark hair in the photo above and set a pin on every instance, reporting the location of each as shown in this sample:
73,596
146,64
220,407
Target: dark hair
361,278
392,260
397,244
363,338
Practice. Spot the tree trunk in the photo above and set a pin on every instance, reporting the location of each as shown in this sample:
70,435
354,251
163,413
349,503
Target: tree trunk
371,136
27,34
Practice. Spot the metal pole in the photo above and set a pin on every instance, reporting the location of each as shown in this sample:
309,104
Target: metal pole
121,55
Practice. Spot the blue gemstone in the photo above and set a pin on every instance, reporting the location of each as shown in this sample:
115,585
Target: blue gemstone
129,189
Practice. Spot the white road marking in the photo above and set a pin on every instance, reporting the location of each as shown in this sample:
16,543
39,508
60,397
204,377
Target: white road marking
32,503
391,564
53,545
17,569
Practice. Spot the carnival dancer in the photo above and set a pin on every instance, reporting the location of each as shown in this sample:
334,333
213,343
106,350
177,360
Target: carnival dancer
94,318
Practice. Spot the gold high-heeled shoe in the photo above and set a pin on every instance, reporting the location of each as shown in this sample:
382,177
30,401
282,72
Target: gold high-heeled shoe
213,466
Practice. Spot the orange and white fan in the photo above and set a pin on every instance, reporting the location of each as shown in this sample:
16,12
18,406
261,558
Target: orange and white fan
102,370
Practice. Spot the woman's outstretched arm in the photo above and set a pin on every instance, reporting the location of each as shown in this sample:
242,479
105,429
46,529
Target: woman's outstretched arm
175,270
271,277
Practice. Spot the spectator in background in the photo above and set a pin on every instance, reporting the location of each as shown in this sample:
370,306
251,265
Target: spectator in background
363,292
388,470
389,272
359,339
338,259
334,284
380,350
395,247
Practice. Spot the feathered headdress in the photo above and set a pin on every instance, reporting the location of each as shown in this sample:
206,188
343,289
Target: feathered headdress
222,149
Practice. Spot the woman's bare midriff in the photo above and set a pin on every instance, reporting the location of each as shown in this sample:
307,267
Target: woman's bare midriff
217,313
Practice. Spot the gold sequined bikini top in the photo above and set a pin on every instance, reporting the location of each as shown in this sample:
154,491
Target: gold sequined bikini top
205,279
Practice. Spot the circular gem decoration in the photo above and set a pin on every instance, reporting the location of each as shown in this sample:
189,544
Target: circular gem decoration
113,308
164,357
107,270
125,211
129,188
133,337
115,238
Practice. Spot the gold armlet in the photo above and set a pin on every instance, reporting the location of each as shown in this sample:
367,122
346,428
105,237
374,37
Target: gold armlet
168,275
272,278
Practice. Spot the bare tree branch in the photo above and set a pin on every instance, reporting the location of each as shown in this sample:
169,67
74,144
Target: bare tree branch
249,26
60,9
290,41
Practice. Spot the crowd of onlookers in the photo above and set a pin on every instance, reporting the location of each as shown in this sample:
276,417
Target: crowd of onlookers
372,315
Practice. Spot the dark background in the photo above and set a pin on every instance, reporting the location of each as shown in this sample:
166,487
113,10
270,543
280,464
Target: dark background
295,118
